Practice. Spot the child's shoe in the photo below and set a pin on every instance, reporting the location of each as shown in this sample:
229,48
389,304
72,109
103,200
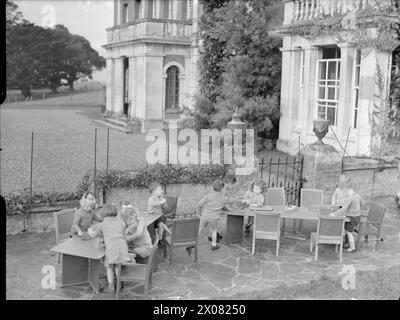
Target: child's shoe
216,247
110,289
219,236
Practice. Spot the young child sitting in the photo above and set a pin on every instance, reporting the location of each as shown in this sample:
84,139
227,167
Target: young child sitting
339,196
210,209
254,197
155,205
85,216
351,208
137,235
113,231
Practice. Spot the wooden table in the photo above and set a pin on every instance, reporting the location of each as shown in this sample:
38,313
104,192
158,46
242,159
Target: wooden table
80,261
235,219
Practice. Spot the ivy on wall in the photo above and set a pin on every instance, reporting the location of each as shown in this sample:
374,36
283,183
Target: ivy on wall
163,174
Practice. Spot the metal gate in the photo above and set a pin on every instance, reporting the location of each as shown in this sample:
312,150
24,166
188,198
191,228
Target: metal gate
287,174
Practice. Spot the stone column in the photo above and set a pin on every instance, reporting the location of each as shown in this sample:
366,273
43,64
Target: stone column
132,87
119,86
310,66
345,113
109,85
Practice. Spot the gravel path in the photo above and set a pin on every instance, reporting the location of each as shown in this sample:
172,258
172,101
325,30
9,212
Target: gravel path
63,143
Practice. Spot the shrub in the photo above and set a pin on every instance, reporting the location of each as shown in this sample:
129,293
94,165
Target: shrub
163,174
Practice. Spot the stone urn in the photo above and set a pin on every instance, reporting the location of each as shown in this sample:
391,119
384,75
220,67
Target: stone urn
320,128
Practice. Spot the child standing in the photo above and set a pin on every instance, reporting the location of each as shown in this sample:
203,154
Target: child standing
137,235
254,197
210,209
155,204
351,208
113,230
85,216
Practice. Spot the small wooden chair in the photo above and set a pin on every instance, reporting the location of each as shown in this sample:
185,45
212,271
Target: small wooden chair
267,226
373,225
63,222
276,197
170,211
184,233
330,230
309,198
137,272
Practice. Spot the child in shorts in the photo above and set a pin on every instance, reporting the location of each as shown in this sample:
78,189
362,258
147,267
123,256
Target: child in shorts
351,208
155,204
210,209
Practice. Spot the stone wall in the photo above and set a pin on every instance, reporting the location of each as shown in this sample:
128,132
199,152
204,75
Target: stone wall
369,179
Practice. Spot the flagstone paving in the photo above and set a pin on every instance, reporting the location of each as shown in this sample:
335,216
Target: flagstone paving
222,273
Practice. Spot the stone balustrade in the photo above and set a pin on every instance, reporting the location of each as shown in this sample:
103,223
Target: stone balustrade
150,29
298,11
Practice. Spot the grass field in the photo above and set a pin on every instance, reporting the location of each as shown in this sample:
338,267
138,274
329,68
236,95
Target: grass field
63,143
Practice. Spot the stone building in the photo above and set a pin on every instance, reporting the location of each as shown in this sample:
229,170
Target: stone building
152,53
333,69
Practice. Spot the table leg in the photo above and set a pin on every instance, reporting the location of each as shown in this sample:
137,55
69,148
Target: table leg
234,228
74,270
94,274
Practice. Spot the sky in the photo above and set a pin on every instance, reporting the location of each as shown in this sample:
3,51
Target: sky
86,18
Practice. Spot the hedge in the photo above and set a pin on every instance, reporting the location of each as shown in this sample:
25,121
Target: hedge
164,174
19,203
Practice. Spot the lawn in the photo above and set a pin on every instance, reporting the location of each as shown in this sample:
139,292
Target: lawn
63,143
383,284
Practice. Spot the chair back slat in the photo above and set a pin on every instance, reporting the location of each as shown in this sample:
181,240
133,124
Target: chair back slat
153,260
267,222
172,202
185,230
330,226
326,210
311,197
376,213
275,197
63,222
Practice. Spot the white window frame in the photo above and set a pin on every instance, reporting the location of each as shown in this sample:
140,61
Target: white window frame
326,101
356,91
301,86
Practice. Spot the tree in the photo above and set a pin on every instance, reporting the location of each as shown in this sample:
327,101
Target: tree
42,57
240,67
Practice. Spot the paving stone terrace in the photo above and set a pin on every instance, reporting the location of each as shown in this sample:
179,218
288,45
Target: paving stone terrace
218,274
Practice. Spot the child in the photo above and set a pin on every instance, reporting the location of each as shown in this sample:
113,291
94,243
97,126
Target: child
339,196
210,208
137,236
113,231
155,204
351,208
254,197
84,216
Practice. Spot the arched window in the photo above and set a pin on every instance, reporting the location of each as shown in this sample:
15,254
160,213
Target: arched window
172,88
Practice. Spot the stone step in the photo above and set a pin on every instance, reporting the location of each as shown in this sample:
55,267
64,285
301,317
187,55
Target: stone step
117,122
114,126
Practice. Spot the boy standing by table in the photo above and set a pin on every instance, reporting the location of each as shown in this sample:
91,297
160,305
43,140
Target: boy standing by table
351,208
210,209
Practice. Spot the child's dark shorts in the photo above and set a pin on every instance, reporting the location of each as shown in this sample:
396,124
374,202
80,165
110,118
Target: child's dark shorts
353,224
160,219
